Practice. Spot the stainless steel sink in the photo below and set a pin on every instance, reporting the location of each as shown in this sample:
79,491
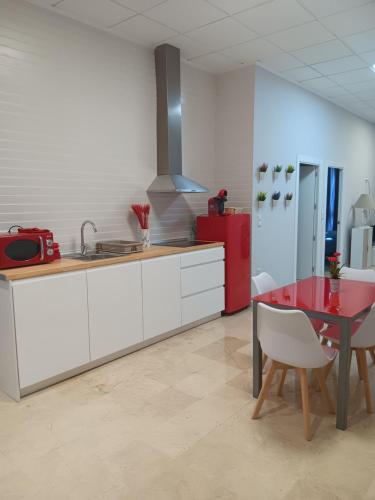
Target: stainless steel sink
93,256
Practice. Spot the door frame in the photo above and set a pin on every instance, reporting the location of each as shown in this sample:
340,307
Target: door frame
319,164
340,244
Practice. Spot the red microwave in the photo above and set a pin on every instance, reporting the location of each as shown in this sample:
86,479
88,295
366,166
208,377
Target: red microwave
27,247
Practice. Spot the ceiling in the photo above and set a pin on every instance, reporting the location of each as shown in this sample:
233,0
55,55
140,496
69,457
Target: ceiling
327,46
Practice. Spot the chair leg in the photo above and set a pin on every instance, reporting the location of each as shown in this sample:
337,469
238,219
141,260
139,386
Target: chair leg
264,360
265,389
281,383
364,370
359,364
324,341
372,354
305,403
323,387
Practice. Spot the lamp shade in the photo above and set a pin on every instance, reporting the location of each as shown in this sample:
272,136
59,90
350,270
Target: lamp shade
365,202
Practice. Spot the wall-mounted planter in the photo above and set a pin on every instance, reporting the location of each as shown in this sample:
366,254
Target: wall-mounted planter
275,198
288,199
289,172
276,172
262,170
261,175
260,203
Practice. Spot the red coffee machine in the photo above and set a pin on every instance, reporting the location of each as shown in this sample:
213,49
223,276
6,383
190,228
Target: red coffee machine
216,204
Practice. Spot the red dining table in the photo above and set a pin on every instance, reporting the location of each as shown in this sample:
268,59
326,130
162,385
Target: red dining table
314,297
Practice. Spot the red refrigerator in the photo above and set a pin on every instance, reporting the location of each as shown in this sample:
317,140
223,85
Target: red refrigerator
234,231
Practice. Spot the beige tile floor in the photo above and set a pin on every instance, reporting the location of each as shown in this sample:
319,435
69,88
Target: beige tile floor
171,422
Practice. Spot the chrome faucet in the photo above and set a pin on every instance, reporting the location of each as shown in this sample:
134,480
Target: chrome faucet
83,244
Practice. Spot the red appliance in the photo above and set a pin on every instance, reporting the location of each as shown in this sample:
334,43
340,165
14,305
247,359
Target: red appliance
234,231
216,204
26,247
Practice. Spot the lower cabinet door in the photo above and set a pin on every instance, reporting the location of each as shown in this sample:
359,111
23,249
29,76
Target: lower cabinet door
202,304
51,325
161,278
115,308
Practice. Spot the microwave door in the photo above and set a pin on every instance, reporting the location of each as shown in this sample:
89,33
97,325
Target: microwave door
23,249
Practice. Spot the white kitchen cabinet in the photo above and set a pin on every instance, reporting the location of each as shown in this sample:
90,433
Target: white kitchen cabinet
202,305
115,308
203,277
51,324
161,283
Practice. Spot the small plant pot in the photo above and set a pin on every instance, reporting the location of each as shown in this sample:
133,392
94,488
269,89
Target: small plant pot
288,202
334,285
289,175
274,203
260,203
275,175
261,175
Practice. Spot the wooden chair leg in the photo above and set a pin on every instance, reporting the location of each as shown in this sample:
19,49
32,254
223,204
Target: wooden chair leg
305,403
372,354
364,370
359,364
324,389
265,389
264,360
281,383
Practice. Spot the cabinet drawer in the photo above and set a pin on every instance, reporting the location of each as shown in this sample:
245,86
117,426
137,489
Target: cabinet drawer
202,256
203,277
201,305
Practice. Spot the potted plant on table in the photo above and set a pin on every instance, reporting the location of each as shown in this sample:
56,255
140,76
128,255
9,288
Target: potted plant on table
276,171
335,271
261,198
289,171
262,171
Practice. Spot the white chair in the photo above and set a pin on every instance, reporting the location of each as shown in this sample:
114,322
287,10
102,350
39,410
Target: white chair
263,283
363,339
289,340
349,273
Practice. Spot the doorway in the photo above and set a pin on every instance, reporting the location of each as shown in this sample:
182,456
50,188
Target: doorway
307,220
333,209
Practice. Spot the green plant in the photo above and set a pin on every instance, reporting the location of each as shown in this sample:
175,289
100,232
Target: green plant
278,168
276,195
262,196
290,169
263,167
289,196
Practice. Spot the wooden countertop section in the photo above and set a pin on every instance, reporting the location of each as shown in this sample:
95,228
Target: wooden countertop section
65,265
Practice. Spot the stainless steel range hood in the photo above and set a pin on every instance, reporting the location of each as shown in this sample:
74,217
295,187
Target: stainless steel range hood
169,158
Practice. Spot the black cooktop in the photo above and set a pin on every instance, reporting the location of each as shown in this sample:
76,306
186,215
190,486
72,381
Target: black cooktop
180,243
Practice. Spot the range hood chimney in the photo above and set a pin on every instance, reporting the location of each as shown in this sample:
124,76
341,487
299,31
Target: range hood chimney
169,159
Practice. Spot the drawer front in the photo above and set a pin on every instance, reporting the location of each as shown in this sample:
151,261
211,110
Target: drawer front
203,277
201,305
202,256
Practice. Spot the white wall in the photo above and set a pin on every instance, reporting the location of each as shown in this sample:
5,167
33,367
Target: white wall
234,135
288,122
78,129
